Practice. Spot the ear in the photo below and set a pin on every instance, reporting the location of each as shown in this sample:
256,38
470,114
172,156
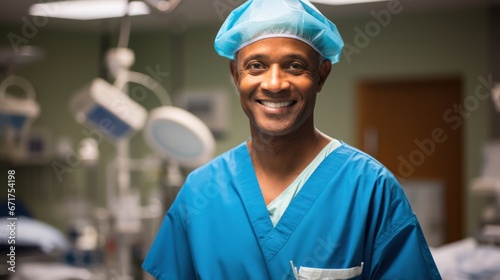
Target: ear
234,72
324,71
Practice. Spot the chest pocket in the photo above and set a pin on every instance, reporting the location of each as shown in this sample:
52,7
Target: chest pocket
308,273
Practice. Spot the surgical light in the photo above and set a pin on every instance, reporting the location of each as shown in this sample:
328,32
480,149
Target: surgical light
106,108
179,135
89,9
173,133
16,116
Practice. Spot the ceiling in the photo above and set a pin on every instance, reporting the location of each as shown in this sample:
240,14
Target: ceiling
201,12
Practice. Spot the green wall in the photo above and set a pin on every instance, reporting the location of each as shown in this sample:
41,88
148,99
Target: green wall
412,45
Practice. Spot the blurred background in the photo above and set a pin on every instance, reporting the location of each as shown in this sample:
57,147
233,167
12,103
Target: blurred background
103,115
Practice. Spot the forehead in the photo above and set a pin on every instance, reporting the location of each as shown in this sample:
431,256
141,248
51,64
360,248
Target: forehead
278,47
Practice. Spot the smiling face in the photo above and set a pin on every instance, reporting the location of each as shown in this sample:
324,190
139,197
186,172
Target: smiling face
278,79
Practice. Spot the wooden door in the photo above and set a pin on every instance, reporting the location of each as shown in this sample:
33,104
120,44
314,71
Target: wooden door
414,128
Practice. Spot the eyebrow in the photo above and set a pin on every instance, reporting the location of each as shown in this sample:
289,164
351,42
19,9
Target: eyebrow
254,56
297,56
262,56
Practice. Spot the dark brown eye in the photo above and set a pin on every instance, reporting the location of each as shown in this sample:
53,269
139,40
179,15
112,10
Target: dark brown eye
296,66
255,66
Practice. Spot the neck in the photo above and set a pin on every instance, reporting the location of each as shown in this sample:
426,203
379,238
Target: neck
285,155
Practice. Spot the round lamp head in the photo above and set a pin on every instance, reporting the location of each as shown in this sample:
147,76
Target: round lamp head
177,134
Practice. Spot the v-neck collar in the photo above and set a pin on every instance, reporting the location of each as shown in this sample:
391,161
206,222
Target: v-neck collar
272,239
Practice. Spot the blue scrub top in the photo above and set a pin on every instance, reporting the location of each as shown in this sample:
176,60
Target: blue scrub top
350,211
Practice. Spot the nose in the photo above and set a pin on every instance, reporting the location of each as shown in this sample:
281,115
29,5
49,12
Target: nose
275,80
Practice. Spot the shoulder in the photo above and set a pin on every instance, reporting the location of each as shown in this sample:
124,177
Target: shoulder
370,173
210,177
375,184
223,164
206,183
360,164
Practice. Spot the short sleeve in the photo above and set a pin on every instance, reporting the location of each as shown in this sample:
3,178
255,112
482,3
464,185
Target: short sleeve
404,255
400,250
170,256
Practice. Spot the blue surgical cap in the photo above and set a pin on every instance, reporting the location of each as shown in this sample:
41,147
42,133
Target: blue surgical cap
259,19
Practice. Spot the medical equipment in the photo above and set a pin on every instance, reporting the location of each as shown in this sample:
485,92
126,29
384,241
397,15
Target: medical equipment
179,135
108,109
18,106
488,185
289,18
175,135
16,116
172,132
210,106
35,233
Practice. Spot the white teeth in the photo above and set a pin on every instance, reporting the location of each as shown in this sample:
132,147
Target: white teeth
276,104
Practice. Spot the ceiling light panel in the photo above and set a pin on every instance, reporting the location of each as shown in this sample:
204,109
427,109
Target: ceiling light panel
88,9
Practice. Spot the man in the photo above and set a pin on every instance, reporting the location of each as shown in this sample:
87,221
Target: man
291,202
